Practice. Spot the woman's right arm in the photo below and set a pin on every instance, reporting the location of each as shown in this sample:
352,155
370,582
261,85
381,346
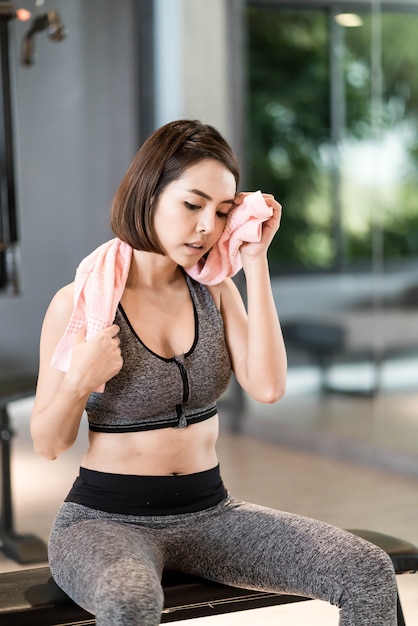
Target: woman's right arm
61,397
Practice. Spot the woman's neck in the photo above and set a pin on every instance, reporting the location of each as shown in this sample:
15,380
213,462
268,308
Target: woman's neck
152,270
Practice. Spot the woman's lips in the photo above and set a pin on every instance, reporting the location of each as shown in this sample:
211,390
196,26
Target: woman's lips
195,248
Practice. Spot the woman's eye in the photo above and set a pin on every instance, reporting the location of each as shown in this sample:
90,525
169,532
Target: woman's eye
191,206
223,215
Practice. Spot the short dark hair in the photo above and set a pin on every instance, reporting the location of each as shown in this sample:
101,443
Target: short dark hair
162,159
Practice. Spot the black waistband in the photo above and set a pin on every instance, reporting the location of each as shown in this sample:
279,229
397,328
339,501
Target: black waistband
148,495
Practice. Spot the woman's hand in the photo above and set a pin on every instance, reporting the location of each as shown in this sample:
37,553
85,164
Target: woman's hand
95,361
60,398
254,336
269,228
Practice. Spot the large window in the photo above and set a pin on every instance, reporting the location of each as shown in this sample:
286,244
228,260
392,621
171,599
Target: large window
333,131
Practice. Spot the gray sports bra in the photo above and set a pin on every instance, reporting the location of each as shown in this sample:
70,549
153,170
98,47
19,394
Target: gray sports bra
151,391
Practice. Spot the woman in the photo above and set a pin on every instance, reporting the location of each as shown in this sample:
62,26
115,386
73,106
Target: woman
149,495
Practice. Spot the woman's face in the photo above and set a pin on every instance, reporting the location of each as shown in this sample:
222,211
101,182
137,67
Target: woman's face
191,211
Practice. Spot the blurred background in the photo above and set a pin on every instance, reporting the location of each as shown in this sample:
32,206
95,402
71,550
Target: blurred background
320,101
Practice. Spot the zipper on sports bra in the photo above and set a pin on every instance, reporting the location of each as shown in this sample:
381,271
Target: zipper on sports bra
186,390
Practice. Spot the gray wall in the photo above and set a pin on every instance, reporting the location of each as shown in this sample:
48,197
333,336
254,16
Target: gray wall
76,132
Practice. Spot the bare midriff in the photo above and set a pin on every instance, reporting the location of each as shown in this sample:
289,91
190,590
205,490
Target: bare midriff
160,452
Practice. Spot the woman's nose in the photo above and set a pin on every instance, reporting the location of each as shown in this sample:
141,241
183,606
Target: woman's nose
206,223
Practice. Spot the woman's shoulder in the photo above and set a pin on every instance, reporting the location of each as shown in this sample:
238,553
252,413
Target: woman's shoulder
56,319
223,292
62,303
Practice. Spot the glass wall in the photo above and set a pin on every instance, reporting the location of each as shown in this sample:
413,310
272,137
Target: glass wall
332,131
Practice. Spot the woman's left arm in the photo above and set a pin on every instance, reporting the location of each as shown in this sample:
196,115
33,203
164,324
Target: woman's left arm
254,336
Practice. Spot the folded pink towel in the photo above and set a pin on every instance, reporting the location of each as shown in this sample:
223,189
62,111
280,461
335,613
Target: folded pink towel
98,286
244,224
101,277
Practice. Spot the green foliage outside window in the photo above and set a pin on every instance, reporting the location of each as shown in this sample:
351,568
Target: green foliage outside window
337,190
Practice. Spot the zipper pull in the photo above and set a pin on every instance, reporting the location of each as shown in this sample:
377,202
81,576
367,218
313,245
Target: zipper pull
182,423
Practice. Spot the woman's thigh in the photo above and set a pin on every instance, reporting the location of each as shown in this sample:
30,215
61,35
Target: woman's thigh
110,568
235,543
256,547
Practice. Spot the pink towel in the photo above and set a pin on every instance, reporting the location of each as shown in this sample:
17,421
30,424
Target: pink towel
244,224
101,277
99,283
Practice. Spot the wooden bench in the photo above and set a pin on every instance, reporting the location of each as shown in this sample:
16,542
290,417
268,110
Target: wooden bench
31,597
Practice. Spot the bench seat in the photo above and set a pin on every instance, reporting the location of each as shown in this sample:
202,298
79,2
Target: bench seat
32,598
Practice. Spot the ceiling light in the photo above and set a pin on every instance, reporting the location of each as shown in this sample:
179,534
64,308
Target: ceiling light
349,20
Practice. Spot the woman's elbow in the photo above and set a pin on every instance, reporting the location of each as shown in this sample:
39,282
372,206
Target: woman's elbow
44,452
273,396
46,448
43,448
269,394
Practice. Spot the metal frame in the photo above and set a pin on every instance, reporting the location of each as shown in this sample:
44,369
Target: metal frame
8,209
22,548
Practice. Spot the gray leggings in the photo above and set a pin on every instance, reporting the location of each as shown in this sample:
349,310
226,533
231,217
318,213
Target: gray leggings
111,564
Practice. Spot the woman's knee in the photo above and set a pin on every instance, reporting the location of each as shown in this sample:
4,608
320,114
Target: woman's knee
374,564
373,578
370,592
128,596
383,572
